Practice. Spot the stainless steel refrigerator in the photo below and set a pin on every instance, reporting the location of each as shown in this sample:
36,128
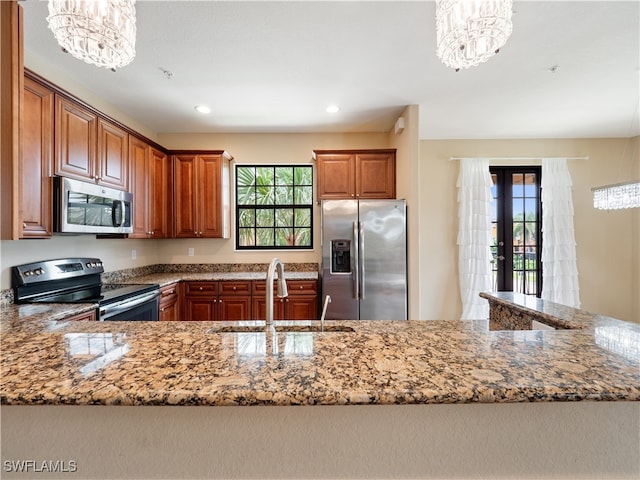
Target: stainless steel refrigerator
364,259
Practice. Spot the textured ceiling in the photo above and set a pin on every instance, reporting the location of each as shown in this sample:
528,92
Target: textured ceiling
274,67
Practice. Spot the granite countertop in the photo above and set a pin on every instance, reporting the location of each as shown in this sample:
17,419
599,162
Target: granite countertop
48,361
164,278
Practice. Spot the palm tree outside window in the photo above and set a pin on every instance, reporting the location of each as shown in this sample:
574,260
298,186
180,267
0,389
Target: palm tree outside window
274,207
516,229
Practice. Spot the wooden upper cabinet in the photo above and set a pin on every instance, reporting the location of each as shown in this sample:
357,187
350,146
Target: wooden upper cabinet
159,194
201,195
36,161
345,174
138,185
149,184
89,147
336,176
76,139
376,175
113,155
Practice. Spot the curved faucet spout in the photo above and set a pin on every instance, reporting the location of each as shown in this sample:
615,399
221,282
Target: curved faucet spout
281,290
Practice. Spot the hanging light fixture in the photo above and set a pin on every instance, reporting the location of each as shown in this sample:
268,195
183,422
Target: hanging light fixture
469,32
100,32
618,196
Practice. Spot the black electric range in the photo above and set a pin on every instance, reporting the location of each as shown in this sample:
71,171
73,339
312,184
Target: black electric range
78,280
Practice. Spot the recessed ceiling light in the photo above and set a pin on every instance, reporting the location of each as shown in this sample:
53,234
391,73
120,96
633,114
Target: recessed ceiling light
202,109
333,109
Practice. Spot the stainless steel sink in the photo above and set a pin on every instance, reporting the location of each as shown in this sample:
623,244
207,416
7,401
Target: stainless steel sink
282,329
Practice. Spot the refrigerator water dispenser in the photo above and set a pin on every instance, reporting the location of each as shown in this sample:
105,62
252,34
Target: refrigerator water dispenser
340,256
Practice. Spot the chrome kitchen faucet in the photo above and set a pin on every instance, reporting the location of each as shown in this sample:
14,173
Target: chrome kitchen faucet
281,291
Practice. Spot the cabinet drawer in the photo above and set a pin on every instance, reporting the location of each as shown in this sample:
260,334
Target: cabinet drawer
302,287
83,316
259,287
234,288
169,293
294,287
201,288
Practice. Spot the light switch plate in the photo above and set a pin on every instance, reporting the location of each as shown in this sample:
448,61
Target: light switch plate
190,251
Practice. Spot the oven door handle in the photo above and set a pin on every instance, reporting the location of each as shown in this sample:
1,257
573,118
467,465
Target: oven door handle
116,308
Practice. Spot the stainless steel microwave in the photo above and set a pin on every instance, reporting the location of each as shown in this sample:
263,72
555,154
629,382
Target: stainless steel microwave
83,207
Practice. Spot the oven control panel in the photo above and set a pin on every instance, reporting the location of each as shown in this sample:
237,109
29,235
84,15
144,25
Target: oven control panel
62,268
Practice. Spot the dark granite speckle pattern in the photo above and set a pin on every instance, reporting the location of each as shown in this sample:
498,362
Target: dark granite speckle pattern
47,361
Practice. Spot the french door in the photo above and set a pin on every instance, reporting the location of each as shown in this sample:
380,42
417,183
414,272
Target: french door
516,229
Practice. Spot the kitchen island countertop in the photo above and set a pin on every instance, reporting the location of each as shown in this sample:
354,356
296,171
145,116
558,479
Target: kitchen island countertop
48,361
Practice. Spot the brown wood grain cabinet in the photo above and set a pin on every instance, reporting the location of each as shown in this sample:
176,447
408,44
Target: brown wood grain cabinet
234,301
353,174
217,301
200,301
149,184
113,155
36,161
89,147
300,304
91,316
201,195
170,302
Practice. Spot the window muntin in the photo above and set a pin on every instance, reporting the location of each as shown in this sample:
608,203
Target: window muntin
274,207
516,232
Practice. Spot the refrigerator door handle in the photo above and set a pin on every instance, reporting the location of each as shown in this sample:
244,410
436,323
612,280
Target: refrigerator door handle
356,262
361,258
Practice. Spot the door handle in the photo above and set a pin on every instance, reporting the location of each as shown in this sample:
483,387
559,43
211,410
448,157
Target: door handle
361,254
356,262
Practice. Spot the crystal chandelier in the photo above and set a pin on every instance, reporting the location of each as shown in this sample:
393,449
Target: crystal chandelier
615,197
101,32
469,32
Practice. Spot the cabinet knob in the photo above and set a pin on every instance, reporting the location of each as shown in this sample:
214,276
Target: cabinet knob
235,288
301,287
200,288
162,309
24,225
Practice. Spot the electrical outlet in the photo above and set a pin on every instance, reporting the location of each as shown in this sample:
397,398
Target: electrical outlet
134,254
190,252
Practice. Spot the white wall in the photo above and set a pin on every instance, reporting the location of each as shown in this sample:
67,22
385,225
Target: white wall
576,440
607,242
407,144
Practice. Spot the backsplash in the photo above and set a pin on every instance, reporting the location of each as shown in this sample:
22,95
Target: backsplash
119,276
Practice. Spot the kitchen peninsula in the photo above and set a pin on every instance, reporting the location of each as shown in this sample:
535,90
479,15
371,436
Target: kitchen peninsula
385,371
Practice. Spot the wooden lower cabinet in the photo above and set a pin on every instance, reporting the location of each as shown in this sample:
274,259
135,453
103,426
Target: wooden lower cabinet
301,308
245,300
301,304
91,315
217,301
170,302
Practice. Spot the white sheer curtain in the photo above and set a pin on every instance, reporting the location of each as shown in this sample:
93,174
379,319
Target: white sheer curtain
559,266
474,236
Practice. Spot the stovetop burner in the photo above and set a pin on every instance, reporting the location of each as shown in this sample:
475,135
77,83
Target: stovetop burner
69,280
